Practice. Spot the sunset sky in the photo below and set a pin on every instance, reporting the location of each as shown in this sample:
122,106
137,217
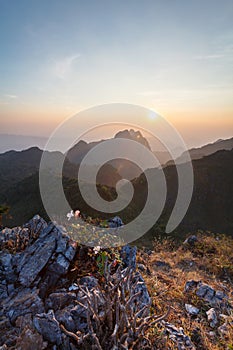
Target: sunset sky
60,57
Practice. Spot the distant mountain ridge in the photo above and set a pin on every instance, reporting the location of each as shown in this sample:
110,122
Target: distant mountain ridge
210,148
18,165
210,207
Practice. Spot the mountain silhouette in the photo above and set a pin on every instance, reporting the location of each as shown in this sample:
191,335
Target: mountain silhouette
210,207
125,168
206,150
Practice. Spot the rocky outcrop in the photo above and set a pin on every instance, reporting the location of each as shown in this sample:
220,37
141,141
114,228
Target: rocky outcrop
40,304
214,298
28,275
178,336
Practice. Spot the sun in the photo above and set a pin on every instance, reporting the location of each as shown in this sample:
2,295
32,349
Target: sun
152,115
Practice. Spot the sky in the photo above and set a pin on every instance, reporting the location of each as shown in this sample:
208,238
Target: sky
60,57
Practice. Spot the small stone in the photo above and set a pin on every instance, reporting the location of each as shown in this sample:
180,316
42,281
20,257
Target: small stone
190,285
220,295
71,250
223,329
191,240
192,310
212,334
73,287
182,340
212,317
148,252
206,292
64,316
48,327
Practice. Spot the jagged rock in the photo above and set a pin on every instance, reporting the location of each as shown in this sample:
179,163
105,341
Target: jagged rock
64,316
26,301
79,317
214,298
34,296
34,259
48,327
29,339
220,295
128,256
6,275
192,310
15,239
190,286
36,224
143,299
3,289
57,301
24,321
212,317
18,238
207,293
51,252
179,337
6,268
191,240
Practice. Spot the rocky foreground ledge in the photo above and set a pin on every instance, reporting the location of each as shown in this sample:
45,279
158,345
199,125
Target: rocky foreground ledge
52,296
44,307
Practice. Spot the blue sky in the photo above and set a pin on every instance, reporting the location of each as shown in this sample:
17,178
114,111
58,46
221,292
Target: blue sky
58,57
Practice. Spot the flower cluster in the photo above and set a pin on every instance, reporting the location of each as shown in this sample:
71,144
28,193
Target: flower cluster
72,214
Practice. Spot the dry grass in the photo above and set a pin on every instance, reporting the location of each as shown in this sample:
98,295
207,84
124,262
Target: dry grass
210,260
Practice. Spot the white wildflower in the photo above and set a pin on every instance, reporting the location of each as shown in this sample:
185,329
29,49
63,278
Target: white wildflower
70,215
96,249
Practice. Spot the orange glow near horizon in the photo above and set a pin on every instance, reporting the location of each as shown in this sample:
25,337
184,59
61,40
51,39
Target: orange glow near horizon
195,126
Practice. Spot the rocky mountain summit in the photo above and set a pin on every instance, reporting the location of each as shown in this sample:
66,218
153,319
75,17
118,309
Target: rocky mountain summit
56,294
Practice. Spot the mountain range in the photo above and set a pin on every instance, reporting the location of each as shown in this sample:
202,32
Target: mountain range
206,150
210,208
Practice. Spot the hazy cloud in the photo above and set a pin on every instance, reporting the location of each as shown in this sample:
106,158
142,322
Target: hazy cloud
11,96
64,66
